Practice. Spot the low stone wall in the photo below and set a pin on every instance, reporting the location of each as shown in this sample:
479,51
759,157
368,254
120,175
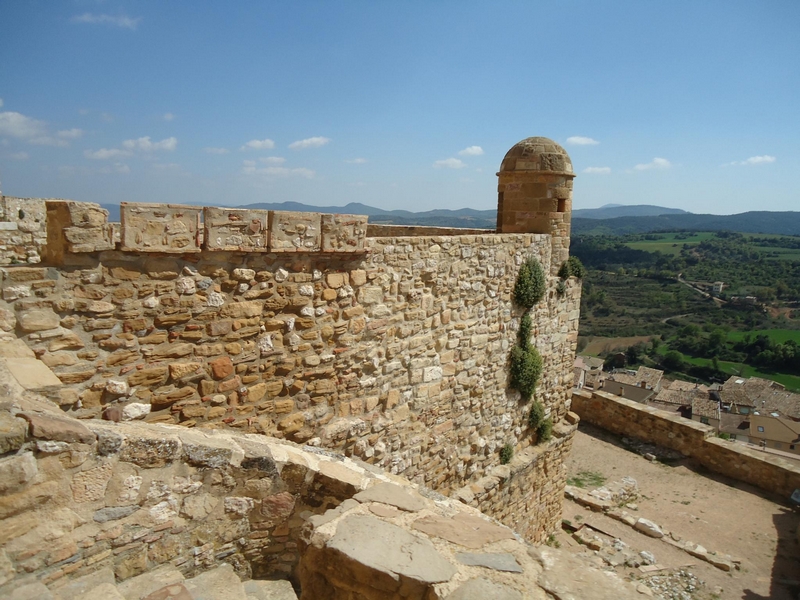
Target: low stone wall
625,417
375,230
78,496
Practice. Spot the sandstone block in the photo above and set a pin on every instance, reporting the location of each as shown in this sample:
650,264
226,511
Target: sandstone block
221,367
294,231
235,229
159,228
38,319
16,472
343,233
12,432
238,310
48,427
149,450
390,550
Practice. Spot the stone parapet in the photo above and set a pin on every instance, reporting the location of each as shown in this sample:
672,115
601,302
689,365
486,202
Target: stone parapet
693,439
23,230
374,230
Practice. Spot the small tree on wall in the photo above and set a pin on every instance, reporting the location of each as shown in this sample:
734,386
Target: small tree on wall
572,267
525,361
530,285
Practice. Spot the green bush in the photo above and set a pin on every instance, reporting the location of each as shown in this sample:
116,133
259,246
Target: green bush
526,369
536,415
572,267
530,285
561,288
524,333
545,430
506,454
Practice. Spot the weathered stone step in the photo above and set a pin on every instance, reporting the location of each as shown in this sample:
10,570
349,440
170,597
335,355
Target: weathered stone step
269,590
145,584
220,583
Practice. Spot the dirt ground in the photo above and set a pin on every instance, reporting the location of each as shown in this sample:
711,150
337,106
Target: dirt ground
721,514
603,345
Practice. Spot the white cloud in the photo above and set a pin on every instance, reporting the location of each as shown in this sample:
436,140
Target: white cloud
471,151
123,21
31,130
756,160
312,142
579,140
106,117
106,153
47,140
217,150
70,134
117,167
168,116
144,144
356,161
259,145
598,170
656,163
449,163
19,126
273,172
273,160
18,156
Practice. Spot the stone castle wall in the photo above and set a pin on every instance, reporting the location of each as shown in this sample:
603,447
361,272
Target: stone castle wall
99,509
391,349
625,417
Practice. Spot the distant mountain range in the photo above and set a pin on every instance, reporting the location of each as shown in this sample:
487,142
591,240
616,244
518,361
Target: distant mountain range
782,223
611,211
609,219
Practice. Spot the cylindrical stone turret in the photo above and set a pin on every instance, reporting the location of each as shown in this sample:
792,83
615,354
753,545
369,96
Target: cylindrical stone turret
534,193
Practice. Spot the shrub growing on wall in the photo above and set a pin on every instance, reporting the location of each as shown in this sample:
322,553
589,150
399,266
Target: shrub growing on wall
536,415
530,285
506,454
572,267
545,430
526,369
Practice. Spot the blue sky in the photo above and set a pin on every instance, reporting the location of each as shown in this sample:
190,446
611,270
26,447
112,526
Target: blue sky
403,104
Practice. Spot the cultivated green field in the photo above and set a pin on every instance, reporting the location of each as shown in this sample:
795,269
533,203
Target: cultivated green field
778,336
792,382
670,243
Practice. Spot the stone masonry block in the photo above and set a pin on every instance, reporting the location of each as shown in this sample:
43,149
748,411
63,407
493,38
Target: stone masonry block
160,228
76,227
294,231
343,233
235,229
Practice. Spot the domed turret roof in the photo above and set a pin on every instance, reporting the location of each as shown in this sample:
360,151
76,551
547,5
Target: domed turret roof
537,154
